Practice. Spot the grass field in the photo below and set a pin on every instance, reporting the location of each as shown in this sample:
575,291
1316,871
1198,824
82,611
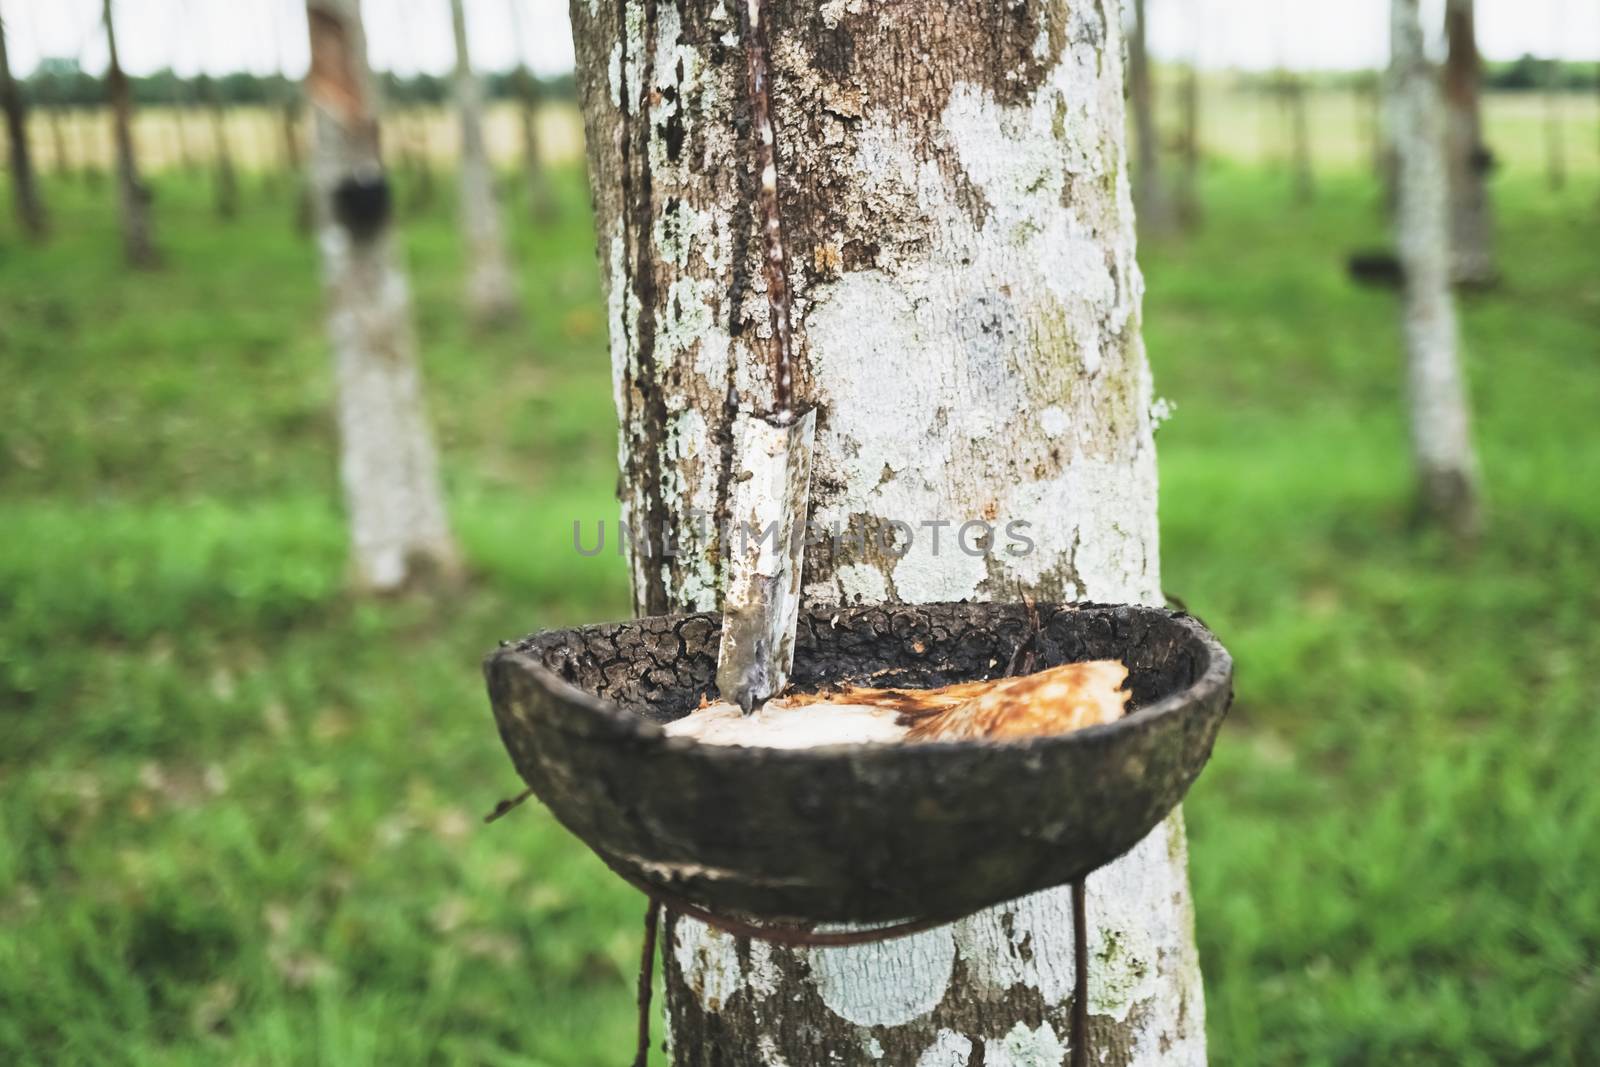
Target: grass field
240,809
1240,122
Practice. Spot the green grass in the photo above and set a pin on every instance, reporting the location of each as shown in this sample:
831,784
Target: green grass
1395,850
239,819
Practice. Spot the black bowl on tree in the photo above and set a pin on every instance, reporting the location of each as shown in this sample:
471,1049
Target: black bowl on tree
858,833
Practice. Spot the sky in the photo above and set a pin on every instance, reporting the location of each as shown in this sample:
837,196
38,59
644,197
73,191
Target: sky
216,36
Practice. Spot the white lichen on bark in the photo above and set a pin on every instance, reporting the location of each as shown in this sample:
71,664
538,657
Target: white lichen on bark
1440,433
491,290
387,461
967,323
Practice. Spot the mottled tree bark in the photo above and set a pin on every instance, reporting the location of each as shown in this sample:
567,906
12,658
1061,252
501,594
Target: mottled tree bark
132,196
1150,193
1440,433
24,184
961,249
1471,215
491,291
387,462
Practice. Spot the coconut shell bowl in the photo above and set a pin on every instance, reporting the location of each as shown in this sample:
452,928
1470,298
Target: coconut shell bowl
860,833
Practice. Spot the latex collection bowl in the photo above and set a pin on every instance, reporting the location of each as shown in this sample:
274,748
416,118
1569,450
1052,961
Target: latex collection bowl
862,833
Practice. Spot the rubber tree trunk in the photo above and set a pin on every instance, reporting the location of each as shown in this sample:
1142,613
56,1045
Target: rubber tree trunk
1369,105
1555,134
289,121
541,204
1440,433
1150,193
491,291
1471,214
1305,181
89,155
540,201
60,164
294,167
413,128
960,237
227,179
24,183
180,128
1190,211
133,198
387,462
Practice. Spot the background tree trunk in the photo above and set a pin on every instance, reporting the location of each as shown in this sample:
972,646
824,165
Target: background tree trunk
961,244
90,161
1471,215
1305,181
411,126
1369,104
387,461
540,201
60,164
1155,208
1440,435
1555,133
289,120
132,196
24,183
491,293
180,129
227,179
289,117
1189,208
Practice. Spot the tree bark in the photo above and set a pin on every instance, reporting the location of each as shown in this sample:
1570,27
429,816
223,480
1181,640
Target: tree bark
399,531
961,251
132,195
1471,215
1440,433
1150,193
491,292
24,183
